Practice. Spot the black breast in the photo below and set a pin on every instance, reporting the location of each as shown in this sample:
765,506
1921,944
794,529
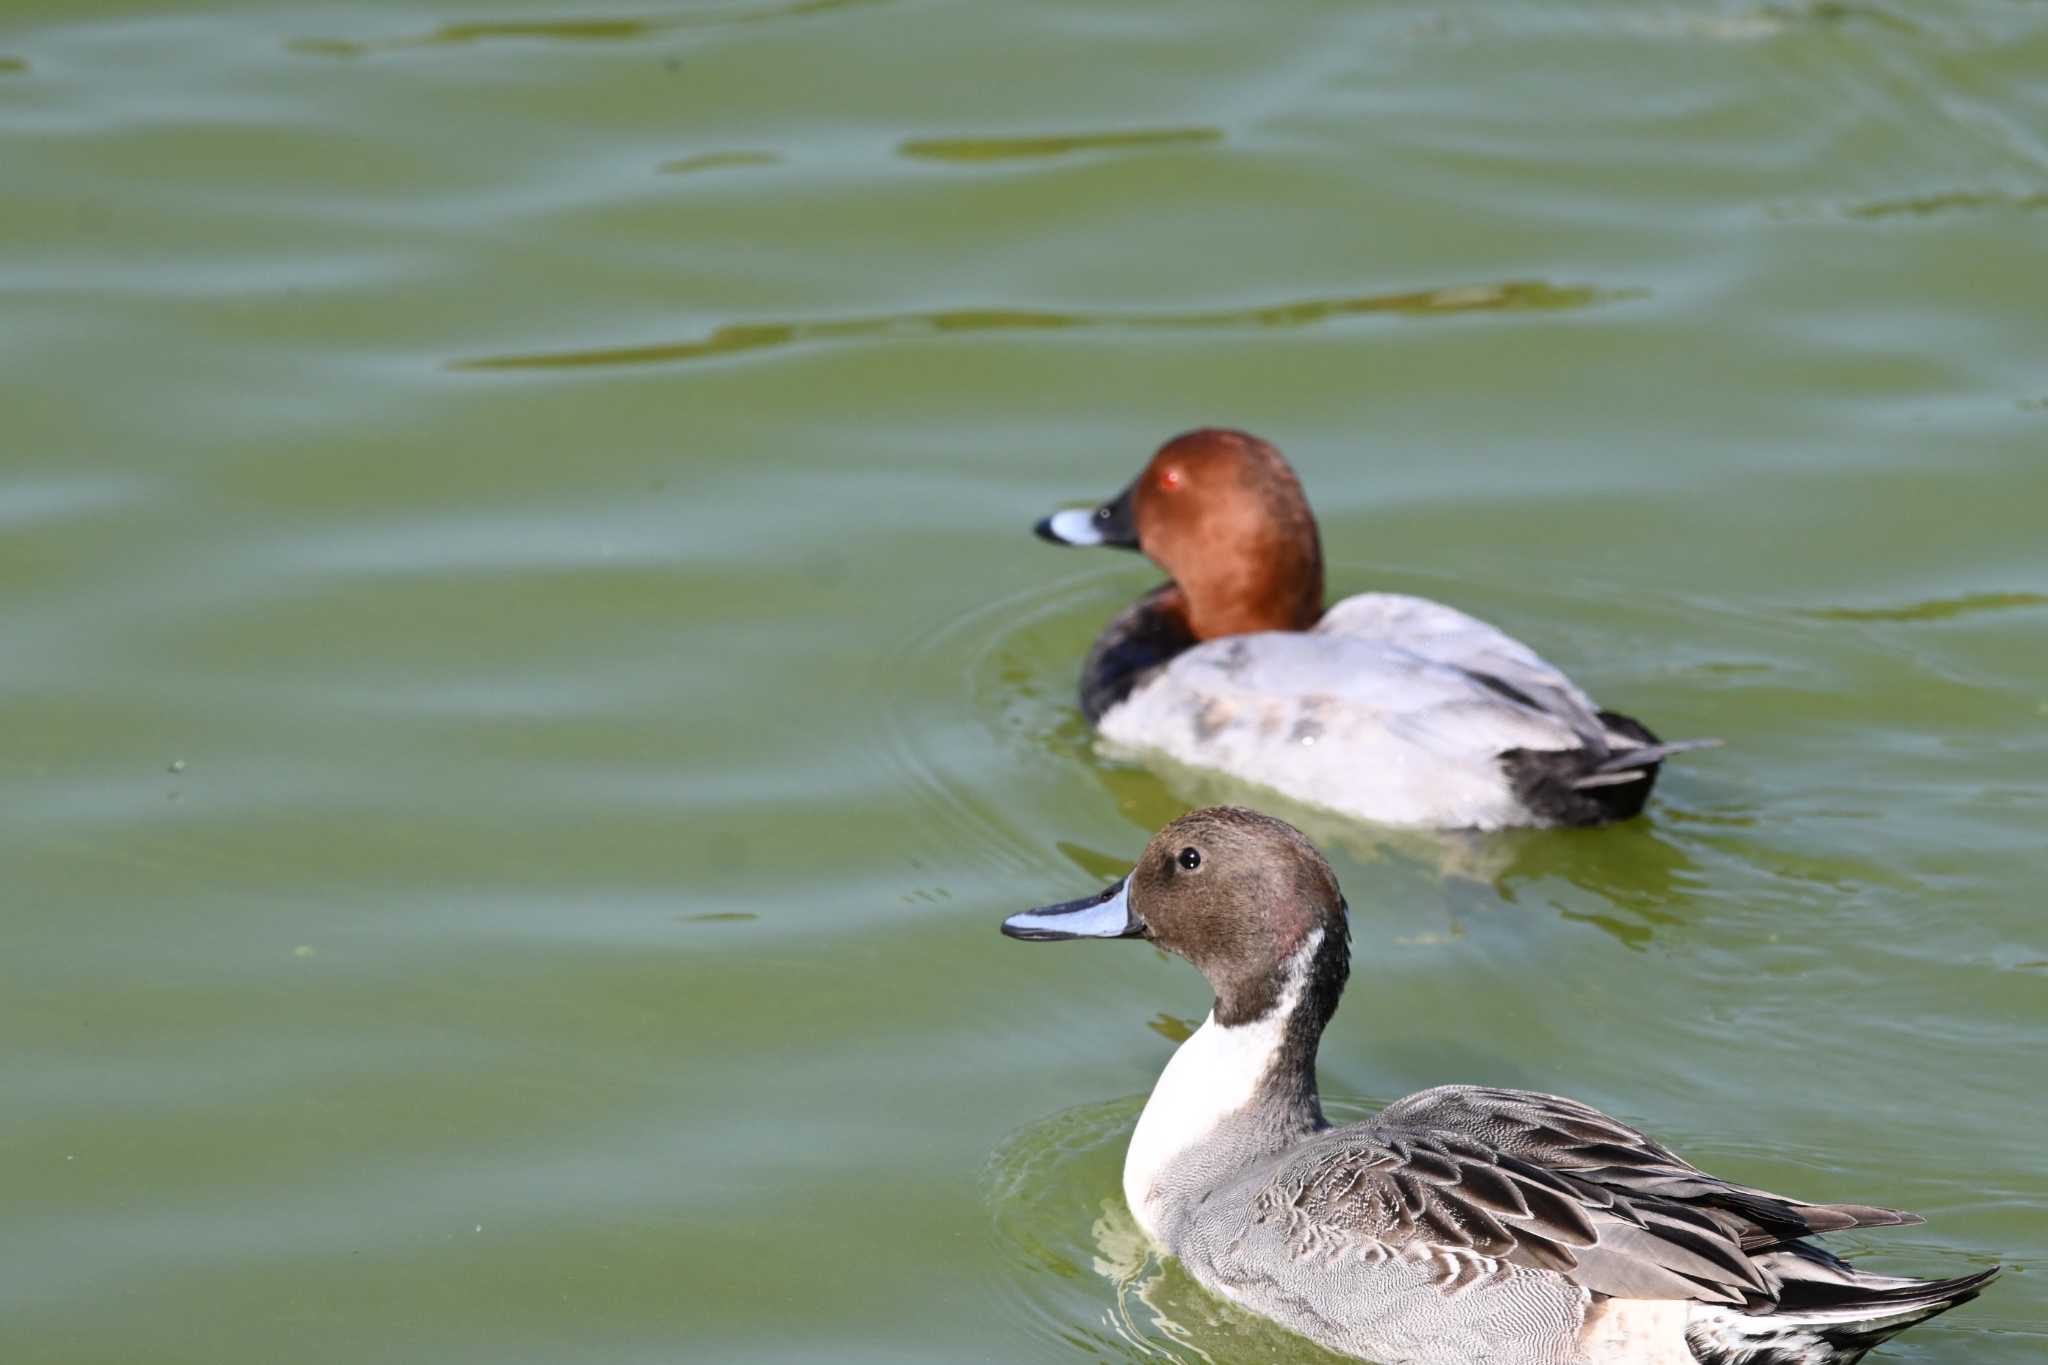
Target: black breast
1142,638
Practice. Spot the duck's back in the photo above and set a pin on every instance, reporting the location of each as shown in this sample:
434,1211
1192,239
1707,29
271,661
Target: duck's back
1448,636
1393,709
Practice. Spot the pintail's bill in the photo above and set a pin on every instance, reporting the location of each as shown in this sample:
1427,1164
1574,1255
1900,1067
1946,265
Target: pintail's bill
1106,914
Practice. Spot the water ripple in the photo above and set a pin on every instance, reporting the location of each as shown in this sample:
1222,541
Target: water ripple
1844,12
735,338
717,161
1030,148
938,752
1928,205
566,30
1935,609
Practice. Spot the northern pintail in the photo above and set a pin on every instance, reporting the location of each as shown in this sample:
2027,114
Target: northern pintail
1384,707
1464,1224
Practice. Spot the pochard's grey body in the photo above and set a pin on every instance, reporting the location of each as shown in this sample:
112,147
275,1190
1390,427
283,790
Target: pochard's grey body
1382,707
1464,1225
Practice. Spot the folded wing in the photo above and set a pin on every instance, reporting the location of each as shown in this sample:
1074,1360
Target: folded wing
1471,1180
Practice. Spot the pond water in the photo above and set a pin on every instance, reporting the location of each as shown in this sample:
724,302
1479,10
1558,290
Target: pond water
527,684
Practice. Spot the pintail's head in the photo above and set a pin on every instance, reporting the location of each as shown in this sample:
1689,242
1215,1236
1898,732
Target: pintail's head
1244,897
1223,512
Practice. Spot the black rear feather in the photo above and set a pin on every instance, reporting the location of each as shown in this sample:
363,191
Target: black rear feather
1547,780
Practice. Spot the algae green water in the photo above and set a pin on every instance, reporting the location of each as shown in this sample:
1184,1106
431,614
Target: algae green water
526,685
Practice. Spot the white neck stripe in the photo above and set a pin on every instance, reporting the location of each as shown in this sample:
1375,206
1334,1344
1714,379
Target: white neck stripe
1211,1076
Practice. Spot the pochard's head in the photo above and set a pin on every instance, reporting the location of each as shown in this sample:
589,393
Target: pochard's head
1243,896
1225,516
1223,512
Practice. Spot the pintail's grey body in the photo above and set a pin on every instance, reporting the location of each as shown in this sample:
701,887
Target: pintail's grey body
1415,1239
1464,1225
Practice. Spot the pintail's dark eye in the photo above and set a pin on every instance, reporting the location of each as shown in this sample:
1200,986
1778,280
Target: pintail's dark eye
1190,859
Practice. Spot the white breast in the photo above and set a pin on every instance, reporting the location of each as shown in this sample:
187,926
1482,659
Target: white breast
1211,1076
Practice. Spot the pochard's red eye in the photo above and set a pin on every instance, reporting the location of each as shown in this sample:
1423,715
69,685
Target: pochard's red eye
1170,480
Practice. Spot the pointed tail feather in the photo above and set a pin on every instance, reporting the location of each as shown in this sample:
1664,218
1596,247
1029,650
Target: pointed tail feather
1606,779
1831,1319
1880,1298
1643,754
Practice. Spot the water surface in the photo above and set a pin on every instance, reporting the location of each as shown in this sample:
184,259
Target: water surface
527,684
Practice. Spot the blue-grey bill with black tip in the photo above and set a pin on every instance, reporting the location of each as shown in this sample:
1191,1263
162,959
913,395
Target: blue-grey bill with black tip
1113,523
1104,915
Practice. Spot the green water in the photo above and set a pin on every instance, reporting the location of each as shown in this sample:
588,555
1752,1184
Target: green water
526,685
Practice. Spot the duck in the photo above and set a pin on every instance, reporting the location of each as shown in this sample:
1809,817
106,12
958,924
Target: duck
1463,1223
1383,707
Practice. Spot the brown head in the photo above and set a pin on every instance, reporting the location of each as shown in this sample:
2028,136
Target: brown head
1237,893
1223,512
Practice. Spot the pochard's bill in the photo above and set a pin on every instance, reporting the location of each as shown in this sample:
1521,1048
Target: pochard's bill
1464,1223
1385,707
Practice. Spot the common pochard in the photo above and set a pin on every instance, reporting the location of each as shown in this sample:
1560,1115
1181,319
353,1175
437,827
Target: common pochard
1464,1223
1385,707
